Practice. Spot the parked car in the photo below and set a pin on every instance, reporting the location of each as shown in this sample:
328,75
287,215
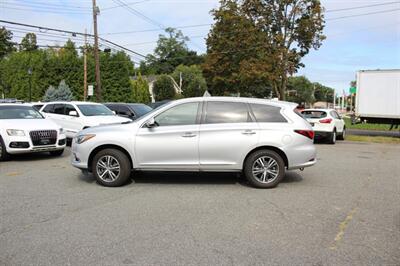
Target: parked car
259,137
24,130
36,105
327,124
75,116
129,110
158,104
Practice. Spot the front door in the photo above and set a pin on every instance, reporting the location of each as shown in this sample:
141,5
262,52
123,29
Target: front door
173,143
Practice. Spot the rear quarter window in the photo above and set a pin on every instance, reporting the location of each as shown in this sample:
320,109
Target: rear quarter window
267,113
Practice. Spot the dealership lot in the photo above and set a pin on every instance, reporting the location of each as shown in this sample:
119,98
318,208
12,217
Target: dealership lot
344,210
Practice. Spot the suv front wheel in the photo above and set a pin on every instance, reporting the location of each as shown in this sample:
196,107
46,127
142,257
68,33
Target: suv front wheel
111,167
264,169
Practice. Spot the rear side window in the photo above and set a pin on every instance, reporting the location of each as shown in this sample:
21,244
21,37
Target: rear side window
313,114
267,113
226,112
59,109
69,108
48,108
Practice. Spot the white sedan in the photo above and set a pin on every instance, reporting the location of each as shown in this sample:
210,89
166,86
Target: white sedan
326,123
24,130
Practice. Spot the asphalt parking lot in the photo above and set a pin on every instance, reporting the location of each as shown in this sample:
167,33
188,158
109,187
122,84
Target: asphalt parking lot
343,211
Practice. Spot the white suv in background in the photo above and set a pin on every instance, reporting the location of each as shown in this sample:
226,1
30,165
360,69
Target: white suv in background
23,130
75,116
327,124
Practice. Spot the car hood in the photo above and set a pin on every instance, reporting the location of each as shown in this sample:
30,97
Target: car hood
106,119
109,128
28,124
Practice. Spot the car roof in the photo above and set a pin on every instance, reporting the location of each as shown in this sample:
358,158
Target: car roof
241,99
319,110
71,102
16,104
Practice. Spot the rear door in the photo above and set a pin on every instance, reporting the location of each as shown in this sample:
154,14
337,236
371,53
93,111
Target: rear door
339,122
227,134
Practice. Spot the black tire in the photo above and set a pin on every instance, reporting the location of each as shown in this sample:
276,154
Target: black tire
124,168
57,153
4,156
342,136
332,137
251,161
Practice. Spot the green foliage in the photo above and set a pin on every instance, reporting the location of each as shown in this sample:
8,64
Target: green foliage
6,43
255,44
171,51
236,60
29,42
300,90
62,93
163,88
50,66
140,90
193,82
323,93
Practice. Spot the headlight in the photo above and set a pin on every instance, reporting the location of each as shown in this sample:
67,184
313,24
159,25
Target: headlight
82,138
15,132
61,131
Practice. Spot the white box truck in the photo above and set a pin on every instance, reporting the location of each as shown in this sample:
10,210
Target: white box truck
378,96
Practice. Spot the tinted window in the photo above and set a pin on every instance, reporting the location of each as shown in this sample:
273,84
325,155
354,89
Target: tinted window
226,112
59,109
94,109
313,114
123,110
140,109
49,108
183,114
69,108
267,113
19,112
37,106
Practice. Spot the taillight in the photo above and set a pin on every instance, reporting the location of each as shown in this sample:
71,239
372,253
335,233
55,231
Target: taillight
307,133
326,121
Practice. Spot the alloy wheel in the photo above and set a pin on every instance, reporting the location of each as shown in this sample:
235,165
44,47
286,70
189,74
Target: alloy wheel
265,169
108,168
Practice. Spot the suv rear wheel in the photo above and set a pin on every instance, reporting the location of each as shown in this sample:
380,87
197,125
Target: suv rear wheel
332,137
111,167
264,169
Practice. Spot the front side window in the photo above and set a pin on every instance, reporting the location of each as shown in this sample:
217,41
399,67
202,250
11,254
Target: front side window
94,109
69,108
267,113
183,114
123,110
59,109
19,112
141,109
226,112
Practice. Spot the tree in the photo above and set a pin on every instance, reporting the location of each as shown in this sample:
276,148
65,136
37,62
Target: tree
193,82
170,52
163,88
62,93
29,42
292,28
237,60
300,90
140,90
6,44
323,93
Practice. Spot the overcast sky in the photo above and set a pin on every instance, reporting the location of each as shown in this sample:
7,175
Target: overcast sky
356,38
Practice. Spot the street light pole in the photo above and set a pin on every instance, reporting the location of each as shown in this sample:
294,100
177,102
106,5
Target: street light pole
30,84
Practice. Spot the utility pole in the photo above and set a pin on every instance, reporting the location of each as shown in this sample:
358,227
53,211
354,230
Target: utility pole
96,52
85,69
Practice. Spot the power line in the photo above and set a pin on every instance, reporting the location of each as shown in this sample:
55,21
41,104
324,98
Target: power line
360,7
364,14
158,29
71,32
134,3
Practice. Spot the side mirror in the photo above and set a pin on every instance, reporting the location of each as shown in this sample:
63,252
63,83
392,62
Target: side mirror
73,113
150,123
114,112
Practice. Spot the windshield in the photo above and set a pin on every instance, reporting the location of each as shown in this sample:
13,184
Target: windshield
94,109
313,114
19,112
141,109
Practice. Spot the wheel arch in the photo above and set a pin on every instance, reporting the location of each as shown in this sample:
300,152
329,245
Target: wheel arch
107,146
272,148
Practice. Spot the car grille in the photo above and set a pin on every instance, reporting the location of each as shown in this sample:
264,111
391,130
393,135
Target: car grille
43,137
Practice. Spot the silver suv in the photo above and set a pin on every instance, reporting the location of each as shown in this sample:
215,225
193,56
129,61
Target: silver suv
258,137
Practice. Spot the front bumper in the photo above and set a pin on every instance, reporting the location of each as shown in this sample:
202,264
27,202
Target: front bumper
79,155
23,144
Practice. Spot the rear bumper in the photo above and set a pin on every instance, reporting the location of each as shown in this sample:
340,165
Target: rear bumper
322,134
304,165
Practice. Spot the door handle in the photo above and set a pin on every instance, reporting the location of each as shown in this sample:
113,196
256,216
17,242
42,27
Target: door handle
248,132
188,135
